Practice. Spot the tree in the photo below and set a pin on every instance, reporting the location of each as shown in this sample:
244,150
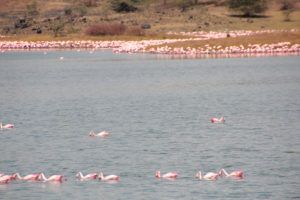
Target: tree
287,7
248,8
32,9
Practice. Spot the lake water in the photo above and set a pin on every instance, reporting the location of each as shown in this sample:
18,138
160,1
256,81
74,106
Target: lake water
158,112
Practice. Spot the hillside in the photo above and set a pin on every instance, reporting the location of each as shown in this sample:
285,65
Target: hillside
73,17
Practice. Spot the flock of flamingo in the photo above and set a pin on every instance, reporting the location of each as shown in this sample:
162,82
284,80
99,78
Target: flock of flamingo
211,176
161,46
4,178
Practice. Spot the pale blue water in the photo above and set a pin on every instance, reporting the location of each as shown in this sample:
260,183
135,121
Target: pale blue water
158,111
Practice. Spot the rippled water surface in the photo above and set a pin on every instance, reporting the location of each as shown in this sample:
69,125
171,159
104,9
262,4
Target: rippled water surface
157,111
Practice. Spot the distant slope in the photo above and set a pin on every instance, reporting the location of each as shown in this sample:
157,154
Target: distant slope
74,16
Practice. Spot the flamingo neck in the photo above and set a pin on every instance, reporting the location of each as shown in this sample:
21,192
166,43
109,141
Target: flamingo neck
18,176
80,175
43,177
200,175
224,172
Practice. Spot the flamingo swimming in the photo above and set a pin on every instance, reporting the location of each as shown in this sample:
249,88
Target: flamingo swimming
4,179
101,134
6,126
169,175
108,178
29,177
57,178
210,176
235,174
80,176
217,120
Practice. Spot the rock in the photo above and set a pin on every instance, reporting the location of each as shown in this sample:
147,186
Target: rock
249,20
146,26
38,30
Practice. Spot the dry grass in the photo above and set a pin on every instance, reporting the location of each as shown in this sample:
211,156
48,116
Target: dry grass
161,18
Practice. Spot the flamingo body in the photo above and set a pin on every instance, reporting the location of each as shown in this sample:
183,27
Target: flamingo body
29,177
6,126
239,174
169,175
4,179
109,177
90,176
101,134
210,176
217,120
56,178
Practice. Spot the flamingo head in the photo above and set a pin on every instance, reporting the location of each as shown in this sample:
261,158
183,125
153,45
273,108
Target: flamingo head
41,177
222,119
157,174
100,176
198,175
13,176
92,134
220,173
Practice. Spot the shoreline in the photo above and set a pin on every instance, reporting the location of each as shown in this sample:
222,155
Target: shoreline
201,44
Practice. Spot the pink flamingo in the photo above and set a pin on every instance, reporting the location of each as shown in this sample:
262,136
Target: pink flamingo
4,179
101,134
29,177
56,178
80,176
6,126
10,177
169,175
217,120
235,174
210,176
108,178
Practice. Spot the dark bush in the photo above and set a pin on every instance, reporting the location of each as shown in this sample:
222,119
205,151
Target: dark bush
248,7
68,11
122,6
106,29
287,4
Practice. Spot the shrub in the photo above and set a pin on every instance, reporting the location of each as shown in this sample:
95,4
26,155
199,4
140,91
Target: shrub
287,4
122,6
135,30
248,7
58,26
106,29
68,11
32,9
287,7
